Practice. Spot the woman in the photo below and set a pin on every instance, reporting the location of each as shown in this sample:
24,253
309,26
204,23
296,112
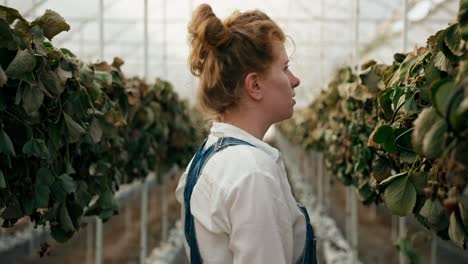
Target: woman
237,204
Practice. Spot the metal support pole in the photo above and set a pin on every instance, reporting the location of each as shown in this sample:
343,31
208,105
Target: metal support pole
434,248
101,29
402,222
145,42
402,235
322,48
165,220
89,243
352,196
99,246
320,178
144,222
128,219
405,25
164,52
31,239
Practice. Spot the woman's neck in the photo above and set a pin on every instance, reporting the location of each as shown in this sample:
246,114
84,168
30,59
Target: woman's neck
247,122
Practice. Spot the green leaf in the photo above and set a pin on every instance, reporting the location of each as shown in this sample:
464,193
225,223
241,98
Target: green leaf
57,191
38,38
13,210
51,81
45,176
419,180
9,14
2,180
32,99
442,92
459,117
23,62
75,131
65,221
433,211
3,77
41,196
393,178
36,147
441,62
104,78
68,184
410,105
59,234
453,40
422,125
455,231
434,141
52,24
95,131
6,146
23,31
6,36
82,196
385,135
400,196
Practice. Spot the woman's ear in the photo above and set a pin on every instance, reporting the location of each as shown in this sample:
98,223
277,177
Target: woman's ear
252,86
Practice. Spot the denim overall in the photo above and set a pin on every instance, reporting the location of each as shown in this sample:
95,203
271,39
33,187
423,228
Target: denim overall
199,161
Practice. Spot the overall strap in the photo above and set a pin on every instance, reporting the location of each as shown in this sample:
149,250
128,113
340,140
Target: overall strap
199,161
310,252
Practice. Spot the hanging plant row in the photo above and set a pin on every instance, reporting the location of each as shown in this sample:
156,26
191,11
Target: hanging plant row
71,132
399,133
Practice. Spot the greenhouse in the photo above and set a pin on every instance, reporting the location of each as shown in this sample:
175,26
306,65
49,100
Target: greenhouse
353,116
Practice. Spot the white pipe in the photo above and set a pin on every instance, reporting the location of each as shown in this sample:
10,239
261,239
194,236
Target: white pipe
99,246
352,196
402,235
164,53
101,29
405,25
146,42
322,49
165,220
144,222
402,223
434,248
89,243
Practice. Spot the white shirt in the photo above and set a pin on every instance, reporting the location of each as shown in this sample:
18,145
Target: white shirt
242,204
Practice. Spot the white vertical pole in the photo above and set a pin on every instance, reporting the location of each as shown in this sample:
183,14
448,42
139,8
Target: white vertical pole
405,25
144,221
99,245
164,37
101,29
402,235
98,257
81,44
322,45
402,223
6,2
145,42
320,178
353,197
31,239
89,243
165,220
434,248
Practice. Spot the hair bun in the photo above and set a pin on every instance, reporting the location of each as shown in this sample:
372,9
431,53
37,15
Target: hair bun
208,29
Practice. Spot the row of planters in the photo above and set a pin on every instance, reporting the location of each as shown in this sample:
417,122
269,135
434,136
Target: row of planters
71,133
399,133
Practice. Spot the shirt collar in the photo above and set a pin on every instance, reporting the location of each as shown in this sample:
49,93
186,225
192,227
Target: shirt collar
220,129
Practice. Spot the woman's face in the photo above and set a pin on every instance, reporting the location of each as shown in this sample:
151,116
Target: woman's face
279,82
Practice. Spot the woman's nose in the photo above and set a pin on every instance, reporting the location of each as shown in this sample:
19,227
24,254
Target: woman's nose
294,81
